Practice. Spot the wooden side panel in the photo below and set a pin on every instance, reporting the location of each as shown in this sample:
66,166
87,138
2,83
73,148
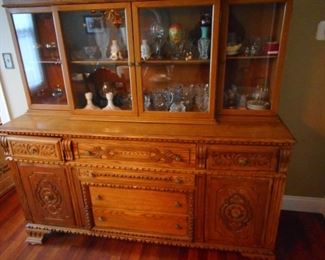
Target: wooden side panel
36,148
48,195
236,210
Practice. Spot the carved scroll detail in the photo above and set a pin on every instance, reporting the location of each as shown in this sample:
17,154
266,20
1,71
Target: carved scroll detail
49,197
236,212
153,155
4,144
284,160
230,159
67,150
201,156
33,149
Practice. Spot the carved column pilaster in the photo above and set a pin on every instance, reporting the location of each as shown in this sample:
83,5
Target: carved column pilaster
4,144
201,156
67,150
284,159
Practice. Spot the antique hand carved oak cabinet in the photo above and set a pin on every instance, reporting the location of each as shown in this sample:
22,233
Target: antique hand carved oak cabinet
152,121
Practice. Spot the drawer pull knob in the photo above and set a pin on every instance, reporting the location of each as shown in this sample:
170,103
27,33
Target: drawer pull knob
178,226
99,197
178,204
178,158
178,181
243,162
101,218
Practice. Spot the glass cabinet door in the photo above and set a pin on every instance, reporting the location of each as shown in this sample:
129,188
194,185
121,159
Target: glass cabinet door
251,56
40,57
175,53
99,54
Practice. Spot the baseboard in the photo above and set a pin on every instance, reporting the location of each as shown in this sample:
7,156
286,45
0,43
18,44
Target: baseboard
304,204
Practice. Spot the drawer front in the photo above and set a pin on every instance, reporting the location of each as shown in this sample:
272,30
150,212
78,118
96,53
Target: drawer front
139,200
133,152
147,178
242,158
36,148
141,221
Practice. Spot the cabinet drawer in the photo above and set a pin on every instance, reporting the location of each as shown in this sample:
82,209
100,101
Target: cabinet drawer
242,158
129,177
140,221
139,200
37,148
133,152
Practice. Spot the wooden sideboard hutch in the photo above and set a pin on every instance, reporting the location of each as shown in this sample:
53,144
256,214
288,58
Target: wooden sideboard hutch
152,121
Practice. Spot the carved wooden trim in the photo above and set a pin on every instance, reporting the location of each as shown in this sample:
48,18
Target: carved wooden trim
87,205
201,156
49,197
227,159
137,187
36,236
284,159
153,139
4,144
236,212
187,179
38,161
134,168
260,253
67,149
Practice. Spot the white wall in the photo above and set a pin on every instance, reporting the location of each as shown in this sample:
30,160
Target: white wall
11,79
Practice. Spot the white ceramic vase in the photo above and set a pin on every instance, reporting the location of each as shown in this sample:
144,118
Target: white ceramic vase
145,50
110,106
90,105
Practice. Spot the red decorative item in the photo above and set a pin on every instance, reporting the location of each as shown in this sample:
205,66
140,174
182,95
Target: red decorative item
271,48
175,33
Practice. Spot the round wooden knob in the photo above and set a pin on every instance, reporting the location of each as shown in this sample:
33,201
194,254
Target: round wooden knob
99,197
178,204
178,226
243,161
178,158
100,218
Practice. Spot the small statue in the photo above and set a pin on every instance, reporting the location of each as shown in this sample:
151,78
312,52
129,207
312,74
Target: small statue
116,54
110,106
145,50
90,105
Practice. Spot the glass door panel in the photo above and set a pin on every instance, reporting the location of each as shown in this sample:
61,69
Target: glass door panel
98,52
252,50
39,52
175,57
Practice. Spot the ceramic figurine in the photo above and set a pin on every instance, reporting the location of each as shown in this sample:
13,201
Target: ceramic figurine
145,50
176,33
90,105
115,51
110,106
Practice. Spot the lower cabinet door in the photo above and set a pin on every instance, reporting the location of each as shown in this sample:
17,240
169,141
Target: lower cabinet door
48,194
237,208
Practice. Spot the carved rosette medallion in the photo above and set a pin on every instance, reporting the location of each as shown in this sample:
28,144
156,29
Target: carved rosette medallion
49,197
236,212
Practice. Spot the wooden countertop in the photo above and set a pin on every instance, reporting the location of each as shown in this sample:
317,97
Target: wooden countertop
270,131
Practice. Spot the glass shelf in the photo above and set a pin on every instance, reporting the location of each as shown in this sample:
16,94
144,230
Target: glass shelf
250,57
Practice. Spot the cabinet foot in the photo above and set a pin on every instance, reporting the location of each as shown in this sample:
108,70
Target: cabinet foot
35,236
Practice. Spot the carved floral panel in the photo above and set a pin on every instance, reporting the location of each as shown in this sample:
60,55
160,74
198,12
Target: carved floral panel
236,209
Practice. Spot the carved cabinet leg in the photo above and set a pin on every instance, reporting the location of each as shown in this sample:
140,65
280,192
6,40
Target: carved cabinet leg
35,236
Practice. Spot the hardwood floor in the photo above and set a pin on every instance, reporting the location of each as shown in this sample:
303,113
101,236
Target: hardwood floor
301,236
